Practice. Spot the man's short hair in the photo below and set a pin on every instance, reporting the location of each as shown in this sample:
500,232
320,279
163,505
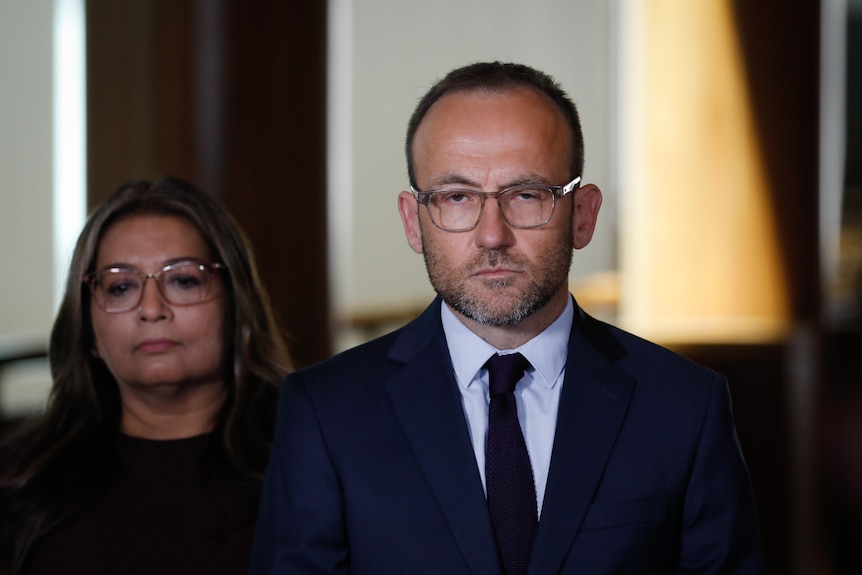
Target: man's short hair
495,77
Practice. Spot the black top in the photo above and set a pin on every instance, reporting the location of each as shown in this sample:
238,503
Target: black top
159,515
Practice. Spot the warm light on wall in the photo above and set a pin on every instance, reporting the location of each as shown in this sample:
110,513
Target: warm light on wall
699,254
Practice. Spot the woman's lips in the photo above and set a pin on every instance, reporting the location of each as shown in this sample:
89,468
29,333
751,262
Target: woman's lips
155,345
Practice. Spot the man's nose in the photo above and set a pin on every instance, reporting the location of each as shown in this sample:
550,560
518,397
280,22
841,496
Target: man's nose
493,231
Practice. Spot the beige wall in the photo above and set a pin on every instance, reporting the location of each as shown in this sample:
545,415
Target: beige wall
26,258
26,236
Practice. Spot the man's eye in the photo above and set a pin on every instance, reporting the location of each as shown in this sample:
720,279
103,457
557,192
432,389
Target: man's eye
457,197
528,195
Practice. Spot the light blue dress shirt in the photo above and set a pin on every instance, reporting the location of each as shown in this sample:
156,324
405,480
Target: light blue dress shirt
537,394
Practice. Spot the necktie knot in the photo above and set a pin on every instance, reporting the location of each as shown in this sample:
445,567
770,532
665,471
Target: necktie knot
504,372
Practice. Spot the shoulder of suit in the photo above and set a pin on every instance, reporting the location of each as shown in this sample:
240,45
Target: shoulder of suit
624,346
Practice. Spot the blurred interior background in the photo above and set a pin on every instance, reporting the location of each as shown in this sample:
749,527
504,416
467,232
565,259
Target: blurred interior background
726,136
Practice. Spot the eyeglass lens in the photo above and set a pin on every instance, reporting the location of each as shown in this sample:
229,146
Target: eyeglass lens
461,209
118,289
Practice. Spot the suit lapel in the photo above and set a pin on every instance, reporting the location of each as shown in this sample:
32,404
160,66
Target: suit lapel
593,405
426,399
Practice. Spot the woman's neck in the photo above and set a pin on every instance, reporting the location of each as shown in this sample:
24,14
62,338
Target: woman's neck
171,412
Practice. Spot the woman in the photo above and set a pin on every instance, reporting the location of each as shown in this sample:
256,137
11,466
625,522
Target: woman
165,361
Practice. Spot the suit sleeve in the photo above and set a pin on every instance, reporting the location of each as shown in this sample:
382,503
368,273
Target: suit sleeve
300,528
720,533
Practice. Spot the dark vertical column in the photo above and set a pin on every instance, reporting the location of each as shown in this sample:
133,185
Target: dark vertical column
139,93
781,50
273,155
230,95
780,45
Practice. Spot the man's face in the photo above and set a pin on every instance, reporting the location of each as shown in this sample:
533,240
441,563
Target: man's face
494,274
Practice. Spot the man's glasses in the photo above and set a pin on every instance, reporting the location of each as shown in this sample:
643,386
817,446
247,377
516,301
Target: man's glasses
459,210
118,289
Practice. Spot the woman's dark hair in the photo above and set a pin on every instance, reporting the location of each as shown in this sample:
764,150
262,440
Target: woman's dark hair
497,77
66,456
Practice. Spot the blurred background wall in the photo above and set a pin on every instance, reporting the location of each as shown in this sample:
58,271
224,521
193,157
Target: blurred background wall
724,134
26,141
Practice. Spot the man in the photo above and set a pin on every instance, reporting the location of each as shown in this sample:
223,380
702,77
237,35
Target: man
611,454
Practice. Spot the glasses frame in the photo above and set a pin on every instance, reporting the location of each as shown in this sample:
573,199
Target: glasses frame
557,192
210,267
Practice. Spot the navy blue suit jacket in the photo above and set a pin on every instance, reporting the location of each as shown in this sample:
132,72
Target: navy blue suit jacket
373,472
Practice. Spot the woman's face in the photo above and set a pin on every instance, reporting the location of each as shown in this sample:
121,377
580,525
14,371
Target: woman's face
157,344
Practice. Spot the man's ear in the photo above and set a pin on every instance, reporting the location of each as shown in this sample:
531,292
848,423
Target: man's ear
408,207
588,200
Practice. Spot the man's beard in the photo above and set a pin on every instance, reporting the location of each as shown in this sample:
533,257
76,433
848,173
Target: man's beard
487,305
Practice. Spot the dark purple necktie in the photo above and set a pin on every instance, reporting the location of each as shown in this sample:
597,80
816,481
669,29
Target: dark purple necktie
508,473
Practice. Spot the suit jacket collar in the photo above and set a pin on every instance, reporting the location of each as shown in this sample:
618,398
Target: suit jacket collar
593,405
426,398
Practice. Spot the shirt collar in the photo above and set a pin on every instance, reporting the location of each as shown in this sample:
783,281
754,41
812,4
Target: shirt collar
546,352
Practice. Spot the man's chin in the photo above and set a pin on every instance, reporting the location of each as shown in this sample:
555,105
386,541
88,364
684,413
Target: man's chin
496,310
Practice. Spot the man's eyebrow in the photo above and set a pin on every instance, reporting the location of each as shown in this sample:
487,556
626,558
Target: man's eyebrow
453,180
459,180
529,180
